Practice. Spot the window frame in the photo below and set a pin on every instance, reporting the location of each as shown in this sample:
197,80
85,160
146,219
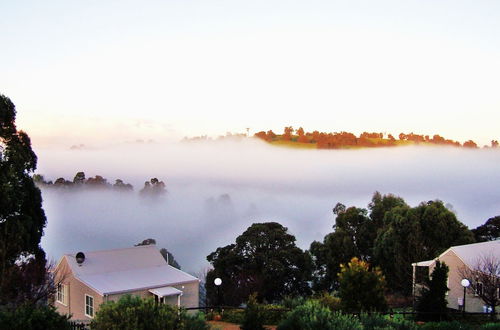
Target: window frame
62,290
479,290
91,307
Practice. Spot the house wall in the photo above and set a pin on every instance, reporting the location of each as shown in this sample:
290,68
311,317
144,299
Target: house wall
76,293
189,298
472,302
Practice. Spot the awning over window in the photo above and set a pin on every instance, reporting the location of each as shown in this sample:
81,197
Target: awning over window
166,291
426,263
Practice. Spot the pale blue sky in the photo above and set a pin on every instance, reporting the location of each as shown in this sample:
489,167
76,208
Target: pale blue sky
117,70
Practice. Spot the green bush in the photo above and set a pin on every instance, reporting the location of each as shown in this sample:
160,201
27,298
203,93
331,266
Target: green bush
135,313
454,325
193,322
377,321
253,316
273,314
30,317
270,314
312,315
491,326
327,300
293,302
234,315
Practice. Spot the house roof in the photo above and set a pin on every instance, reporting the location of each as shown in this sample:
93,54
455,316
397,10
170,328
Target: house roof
129,269
470,254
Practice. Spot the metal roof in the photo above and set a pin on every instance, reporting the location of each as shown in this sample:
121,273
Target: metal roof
125,270
166,291
471,254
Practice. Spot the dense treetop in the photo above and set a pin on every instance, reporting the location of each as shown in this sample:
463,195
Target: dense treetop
22,219
392,236
345,140
265,260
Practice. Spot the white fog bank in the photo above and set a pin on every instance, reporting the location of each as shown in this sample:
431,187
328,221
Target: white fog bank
297,188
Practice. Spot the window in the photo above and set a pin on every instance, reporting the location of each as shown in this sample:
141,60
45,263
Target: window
421,274
479,289
89,306
62,294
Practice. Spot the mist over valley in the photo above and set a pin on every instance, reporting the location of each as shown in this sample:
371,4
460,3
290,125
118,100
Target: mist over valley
217,189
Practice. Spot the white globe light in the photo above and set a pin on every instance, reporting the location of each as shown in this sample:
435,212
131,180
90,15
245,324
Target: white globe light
465,283
217,281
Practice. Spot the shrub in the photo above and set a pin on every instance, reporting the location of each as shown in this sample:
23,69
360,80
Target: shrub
273,314
31,317
327,300
490,326
312,315
432,301
454,325
135,313
234,315
193,322
293,302
377,321
253,318
361,288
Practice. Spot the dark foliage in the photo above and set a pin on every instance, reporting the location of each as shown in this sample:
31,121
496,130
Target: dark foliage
22,218
489,231
33,317
135,313
264,260
432,302
253,317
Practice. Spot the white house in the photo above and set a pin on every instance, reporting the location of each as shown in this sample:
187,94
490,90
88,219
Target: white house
89,279
458,258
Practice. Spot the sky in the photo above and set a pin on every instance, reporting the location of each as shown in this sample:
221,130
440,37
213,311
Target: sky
99,72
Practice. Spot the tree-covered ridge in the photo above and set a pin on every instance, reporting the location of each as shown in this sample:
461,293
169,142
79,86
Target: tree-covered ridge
153,187
345,140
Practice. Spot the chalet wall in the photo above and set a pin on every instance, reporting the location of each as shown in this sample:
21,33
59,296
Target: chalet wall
189,298
472,302
76,294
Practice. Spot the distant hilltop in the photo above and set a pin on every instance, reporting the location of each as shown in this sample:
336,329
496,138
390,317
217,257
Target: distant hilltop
346,140
298,138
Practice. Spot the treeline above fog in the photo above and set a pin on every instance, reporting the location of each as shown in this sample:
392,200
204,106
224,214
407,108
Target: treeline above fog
346,140
153,187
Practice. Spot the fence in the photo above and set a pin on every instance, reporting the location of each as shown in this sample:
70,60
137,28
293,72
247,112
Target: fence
450,315
80,325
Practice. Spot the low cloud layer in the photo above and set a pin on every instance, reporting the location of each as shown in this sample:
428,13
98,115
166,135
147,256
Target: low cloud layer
217,189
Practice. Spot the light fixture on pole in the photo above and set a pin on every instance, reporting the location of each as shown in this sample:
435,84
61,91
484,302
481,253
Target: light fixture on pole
465,283
218,283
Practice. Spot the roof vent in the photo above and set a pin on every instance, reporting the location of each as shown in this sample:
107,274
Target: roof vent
80,258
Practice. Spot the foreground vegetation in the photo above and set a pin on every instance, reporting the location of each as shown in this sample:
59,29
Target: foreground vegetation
318,313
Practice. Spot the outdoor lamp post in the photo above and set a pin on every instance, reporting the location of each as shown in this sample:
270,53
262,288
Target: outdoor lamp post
217,283
465,283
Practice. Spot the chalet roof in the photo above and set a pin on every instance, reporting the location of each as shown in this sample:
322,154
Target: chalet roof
128,269
470,254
